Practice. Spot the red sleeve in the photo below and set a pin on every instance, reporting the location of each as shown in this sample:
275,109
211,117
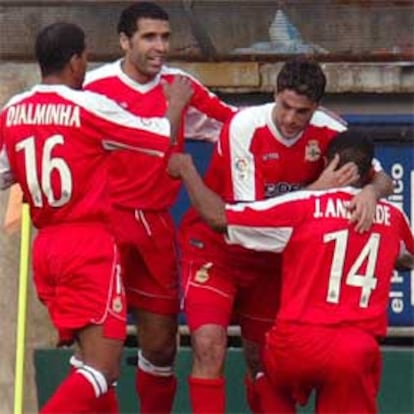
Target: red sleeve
209,103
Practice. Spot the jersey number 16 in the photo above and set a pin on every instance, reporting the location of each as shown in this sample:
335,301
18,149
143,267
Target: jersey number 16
50,165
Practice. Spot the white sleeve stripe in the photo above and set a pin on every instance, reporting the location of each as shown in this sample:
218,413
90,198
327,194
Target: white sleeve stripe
324,118
115,145
243,169
109,110
271,239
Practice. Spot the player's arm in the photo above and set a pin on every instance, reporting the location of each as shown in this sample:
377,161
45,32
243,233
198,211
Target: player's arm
210,104
120,129
363,205
208,204
6,176
178,94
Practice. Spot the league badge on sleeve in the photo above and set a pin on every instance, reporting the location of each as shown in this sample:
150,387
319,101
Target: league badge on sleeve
241,166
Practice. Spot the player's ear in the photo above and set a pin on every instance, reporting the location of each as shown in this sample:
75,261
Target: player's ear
73,62
124,41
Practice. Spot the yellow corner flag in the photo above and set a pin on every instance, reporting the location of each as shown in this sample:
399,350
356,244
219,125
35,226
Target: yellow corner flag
22,308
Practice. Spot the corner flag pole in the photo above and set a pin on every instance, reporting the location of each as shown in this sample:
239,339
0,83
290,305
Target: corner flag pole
21,311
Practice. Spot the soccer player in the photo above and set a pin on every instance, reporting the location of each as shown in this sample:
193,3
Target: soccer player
335,283
263,151
54,140
143,226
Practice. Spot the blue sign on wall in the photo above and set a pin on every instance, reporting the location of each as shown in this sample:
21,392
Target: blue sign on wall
397,160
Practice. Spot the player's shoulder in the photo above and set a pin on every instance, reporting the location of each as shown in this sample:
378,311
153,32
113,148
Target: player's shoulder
249,119
173,71
255,116
324,118
396,208
91,102
170,72
19,97
105,71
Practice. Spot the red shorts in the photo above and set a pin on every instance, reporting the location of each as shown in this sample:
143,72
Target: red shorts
342,364
222,291
146,241
77,276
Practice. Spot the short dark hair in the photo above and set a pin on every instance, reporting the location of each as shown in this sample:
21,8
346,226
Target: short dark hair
303,75
56,44
127,22
353,146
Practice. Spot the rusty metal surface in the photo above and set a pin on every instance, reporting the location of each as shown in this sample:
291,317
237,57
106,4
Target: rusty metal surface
237,30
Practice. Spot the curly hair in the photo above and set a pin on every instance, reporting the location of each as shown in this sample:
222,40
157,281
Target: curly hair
304,76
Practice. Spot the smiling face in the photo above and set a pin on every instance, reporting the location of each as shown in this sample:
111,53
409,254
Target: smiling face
146,50
292,112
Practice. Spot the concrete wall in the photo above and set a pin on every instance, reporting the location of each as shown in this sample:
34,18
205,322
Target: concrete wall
216,28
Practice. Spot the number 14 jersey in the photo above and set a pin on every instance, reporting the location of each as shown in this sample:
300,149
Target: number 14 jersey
331,275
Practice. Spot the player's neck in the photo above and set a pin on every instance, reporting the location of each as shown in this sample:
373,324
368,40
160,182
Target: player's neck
60,79
131,71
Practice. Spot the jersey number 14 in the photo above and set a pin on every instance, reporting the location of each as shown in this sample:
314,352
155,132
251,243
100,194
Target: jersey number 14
367,281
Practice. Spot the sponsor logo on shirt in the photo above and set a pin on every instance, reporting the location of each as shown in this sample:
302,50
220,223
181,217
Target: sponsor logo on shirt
202,274
312,151
275,189
270,156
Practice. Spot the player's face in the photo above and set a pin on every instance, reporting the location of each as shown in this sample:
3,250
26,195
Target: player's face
292,112
147,49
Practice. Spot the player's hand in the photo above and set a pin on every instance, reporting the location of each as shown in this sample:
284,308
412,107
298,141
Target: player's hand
404,262
362,208
177,163
179,92
332,177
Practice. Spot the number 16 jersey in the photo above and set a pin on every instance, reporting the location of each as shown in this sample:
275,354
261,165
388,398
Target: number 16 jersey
54,142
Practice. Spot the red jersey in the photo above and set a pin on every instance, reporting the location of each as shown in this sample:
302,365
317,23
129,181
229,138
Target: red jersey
253,161
56,140
331,274
153,188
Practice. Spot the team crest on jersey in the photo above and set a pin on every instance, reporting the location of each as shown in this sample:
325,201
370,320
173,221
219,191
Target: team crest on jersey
117,304
312,151
202,274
